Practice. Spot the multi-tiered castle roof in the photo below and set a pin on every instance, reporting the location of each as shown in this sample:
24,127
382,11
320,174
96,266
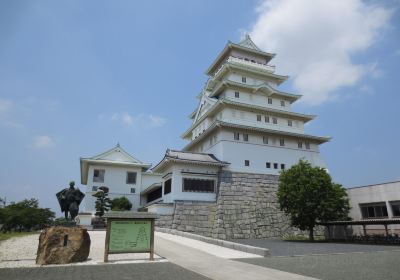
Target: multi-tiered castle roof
242,95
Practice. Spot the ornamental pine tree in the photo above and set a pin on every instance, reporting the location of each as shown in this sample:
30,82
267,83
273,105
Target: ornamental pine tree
308,195
103,202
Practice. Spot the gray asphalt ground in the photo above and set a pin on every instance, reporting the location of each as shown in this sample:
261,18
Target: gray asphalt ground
142,271
349,266
293,248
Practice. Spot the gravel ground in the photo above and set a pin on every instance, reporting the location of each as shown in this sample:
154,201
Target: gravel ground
350,266
295,248
21,252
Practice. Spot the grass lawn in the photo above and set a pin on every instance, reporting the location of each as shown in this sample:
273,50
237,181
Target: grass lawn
8,235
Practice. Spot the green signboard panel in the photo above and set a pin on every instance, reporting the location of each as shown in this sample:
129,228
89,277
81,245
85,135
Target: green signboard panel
130,236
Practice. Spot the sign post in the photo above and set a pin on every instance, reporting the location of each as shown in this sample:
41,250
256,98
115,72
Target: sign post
129,232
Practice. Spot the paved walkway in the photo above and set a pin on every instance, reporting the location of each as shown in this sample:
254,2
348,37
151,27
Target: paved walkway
300,248
348,266
143,271
216,267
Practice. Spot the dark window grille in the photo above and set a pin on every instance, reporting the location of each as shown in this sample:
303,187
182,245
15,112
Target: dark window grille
131,177
167,186
198,185
98,175
153,195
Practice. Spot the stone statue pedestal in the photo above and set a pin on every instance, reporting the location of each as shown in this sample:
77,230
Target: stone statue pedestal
61,245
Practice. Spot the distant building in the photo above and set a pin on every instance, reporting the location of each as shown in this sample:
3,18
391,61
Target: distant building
380,201
123,174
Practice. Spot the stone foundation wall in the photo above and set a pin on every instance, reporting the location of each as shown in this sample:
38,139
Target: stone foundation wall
246,207
164,221
195,217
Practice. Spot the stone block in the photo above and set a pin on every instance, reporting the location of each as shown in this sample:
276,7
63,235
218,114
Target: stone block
62,245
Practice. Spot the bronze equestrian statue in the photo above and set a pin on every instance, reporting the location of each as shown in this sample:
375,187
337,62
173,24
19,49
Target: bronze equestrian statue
69,200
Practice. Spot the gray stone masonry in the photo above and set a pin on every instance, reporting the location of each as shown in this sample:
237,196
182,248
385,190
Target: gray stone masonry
246,207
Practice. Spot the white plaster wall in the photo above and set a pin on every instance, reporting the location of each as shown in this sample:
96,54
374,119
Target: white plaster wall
258,99
148,179
176,187
250,119
115,180
236,152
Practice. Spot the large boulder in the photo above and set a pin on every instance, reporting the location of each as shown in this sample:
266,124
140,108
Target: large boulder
60,245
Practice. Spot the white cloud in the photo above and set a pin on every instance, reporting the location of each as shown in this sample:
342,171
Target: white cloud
140,120
123,118
43,141
127,119
156,121
5,106
314,41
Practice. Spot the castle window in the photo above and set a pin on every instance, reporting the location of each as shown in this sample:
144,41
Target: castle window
98,175
275,120
300,145
198,185
275,166
133,190
243,79
269,100
245,137
307,145
265,139
289,123
281,142
247,162
236,94
282,166
94,189
282,103
266,119
167,186
268,165
131,177
258,118
236,136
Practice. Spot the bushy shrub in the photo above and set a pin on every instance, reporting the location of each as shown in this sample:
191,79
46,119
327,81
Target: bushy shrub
121,204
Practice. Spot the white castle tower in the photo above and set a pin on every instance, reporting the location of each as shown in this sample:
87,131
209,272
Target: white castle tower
243,119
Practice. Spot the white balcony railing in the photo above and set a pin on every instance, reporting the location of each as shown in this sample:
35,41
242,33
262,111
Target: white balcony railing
247,62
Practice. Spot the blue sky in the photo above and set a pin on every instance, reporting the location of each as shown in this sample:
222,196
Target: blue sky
76,77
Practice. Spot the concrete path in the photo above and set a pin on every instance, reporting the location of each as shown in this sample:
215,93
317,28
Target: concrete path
216,267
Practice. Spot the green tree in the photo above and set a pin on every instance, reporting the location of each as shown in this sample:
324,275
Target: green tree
308,195
121,204
103,202
25,215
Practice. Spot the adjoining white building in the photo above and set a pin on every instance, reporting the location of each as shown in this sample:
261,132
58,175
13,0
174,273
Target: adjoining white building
123,174
380,201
